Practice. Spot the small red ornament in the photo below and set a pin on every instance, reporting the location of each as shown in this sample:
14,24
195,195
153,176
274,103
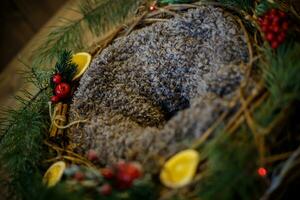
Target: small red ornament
107,173
55,99
62,90
57,78
152,8
106,189
78,176
92,155
262,171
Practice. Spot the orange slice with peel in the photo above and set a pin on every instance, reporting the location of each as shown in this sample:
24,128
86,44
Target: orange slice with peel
83,60
180,169
54,173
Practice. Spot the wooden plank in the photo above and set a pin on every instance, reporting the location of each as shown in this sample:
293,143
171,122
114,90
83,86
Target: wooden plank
11,81
37,12
15,32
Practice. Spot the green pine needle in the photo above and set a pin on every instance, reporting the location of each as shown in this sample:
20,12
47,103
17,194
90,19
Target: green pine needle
231,169
65,66
96,15
21,141
246,5
66,36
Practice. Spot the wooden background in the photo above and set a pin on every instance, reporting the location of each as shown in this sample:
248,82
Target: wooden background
20,21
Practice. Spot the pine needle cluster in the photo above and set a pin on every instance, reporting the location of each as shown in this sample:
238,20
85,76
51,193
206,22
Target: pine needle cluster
65,66
96,16
245,5
22,134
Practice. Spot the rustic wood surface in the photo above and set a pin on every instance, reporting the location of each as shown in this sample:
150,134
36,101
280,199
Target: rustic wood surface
20,20
11,81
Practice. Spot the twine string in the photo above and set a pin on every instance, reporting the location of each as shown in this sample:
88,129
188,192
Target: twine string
62,118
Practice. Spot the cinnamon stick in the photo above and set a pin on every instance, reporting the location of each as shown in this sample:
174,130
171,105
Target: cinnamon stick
63,122
57,111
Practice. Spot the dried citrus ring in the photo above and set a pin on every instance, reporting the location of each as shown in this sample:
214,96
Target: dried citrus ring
180,169
82,59
54,173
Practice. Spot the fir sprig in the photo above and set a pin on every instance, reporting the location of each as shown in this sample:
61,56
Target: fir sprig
246,5
65,66
66,36
96,15
231,168
22,139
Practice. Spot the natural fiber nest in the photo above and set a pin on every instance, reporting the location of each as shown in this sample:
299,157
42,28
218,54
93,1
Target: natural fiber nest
149,94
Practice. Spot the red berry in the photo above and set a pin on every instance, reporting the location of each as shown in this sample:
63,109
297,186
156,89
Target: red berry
55,99
270,37
274,45
273,12
276,28
285,25
281,37
57,78
152,8
265,28
282,14
62,90
262,171
106,189
276,20
107,173
124,180
121,166
266,22
79,176
92,155
134,170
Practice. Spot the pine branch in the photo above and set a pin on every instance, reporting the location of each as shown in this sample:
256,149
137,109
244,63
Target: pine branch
66,36
246,5
97,15
231,168
65,66
21,145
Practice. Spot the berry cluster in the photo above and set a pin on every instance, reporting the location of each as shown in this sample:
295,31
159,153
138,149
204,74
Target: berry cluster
274,25
123,174
62,90
117,178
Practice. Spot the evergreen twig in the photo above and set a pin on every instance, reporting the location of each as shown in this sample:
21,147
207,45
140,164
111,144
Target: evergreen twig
97,15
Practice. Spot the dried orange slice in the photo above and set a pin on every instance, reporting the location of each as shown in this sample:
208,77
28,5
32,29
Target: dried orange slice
83,60
54,173
180,169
